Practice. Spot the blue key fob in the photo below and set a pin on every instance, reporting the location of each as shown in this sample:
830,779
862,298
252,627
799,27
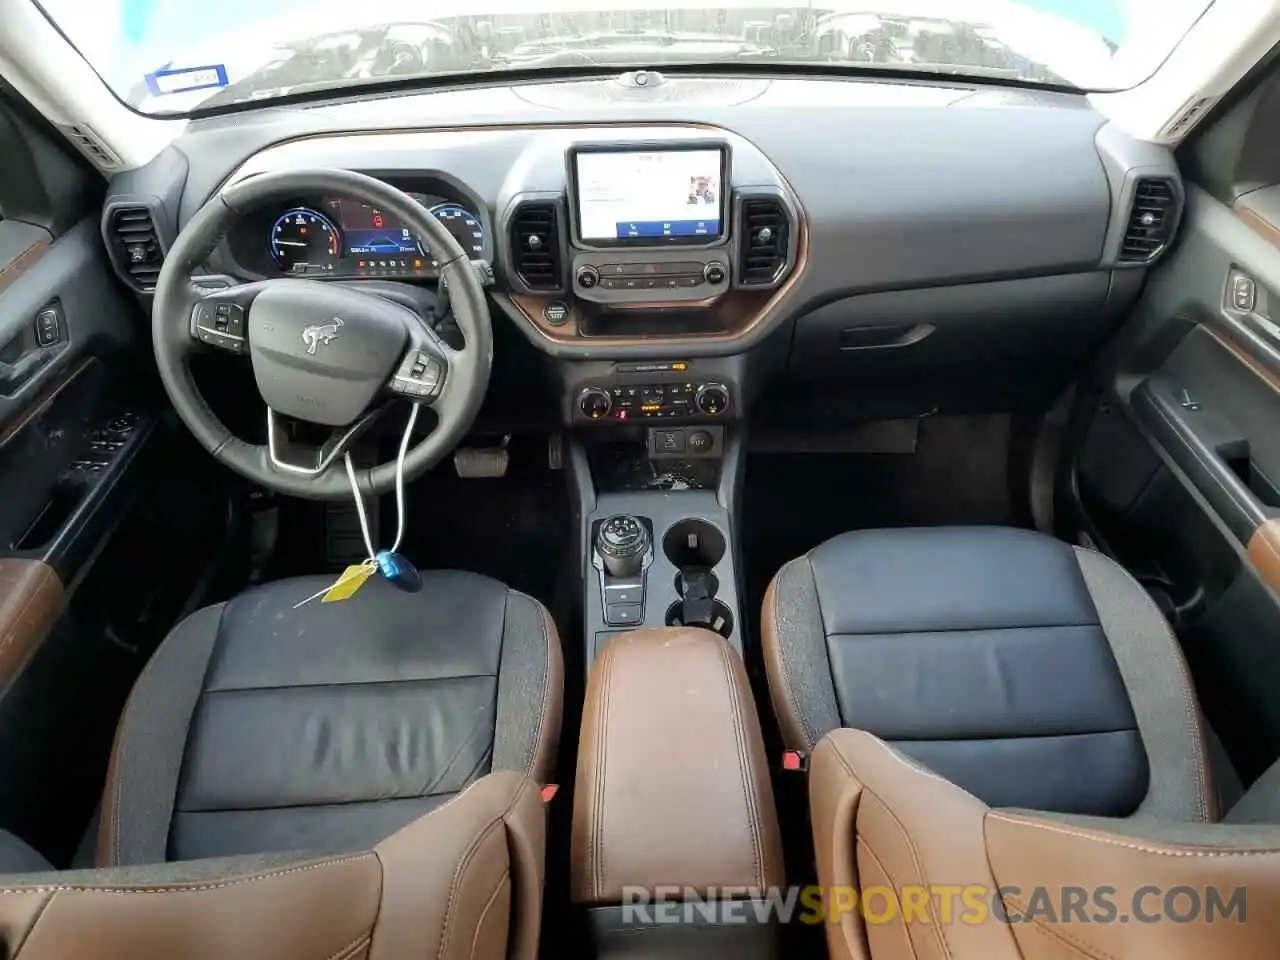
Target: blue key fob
399,571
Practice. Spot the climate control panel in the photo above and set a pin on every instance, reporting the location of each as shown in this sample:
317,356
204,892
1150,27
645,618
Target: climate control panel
682,399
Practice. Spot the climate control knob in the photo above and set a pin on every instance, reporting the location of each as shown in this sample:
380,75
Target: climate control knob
712,399
594,403
588,277
714,272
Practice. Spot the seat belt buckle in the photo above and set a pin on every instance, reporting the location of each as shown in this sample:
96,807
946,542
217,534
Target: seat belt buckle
549,792
795,761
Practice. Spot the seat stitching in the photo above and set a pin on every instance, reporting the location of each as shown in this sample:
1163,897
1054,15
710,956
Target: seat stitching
196,888
475,936
595,836
783,670
810,732
354,946
1142,848
1074,944
894,884
915,853
744,767
459,872
545,709
1199,760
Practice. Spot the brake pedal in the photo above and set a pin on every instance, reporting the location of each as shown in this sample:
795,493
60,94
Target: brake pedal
475,463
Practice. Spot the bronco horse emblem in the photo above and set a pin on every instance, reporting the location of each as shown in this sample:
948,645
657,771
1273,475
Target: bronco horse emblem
321,333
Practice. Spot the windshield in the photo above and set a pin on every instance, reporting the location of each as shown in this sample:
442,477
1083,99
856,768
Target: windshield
173,56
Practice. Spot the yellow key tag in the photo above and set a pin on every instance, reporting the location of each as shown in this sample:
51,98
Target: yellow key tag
352,579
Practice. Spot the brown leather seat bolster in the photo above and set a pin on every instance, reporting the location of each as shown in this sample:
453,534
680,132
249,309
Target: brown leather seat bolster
880,820
673,786
465,881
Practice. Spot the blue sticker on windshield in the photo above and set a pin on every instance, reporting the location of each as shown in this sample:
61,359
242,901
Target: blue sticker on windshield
186,79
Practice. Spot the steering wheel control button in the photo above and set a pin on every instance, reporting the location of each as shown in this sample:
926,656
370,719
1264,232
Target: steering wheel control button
594,403
715,272
588,277
220,324
419,376
556,313
712,399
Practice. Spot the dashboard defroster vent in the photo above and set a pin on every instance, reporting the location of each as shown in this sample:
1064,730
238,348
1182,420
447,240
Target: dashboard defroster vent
535,242
763,247
135,245
1151,220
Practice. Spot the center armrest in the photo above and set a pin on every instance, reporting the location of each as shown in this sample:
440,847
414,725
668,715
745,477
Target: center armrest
673,787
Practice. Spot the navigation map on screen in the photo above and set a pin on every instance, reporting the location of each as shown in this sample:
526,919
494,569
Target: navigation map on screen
649,195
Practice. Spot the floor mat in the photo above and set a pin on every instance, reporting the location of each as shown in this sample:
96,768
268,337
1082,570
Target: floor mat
959,474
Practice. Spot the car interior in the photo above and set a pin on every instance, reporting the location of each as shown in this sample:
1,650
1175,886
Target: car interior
438,517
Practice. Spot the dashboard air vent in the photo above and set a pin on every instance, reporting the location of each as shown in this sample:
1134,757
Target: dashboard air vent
535,244
763,247
1151,220
135,245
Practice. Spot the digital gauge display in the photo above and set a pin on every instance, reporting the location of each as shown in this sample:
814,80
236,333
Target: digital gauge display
347,237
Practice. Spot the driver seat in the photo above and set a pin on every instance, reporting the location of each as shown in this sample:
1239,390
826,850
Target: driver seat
258,728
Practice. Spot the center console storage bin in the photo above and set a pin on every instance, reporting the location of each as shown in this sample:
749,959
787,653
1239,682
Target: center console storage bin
674,824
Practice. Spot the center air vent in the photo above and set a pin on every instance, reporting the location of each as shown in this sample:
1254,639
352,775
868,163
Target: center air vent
535,246
1151,220
134,245
763,248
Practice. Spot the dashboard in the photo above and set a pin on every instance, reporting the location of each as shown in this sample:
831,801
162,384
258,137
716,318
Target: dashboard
696,245
328,237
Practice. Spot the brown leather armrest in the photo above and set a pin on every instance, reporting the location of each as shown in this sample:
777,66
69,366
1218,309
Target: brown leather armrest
465,881
673,787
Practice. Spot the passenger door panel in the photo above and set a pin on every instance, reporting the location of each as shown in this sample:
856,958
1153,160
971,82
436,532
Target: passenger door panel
1179,469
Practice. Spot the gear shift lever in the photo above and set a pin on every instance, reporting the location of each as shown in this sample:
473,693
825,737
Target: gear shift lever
622,542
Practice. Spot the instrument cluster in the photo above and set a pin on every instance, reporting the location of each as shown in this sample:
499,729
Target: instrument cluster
320,237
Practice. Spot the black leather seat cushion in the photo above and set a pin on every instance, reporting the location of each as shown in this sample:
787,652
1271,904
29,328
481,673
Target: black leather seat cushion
977,651
258,727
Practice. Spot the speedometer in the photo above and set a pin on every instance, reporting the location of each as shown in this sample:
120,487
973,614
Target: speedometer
303,239
465,227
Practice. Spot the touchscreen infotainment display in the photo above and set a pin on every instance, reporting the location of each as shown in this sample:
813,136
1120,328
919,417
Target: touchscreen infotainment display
650,196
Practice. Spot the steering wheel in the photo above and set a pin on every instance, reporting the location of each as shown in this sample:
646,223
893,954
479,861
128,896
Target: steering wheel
321,353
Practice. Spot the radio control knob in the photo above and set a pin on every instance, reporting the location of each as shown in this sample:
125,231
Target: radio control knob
712,399
594,403
588,277
714,272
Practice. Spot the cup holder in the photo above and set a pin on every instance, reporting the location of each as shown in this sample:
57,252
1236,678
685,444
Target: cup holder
679,583
721,618
693,543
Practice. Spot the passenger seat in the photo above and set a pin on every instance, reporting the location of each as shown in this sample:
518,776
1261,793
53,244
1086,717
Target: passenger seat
1028,672
1027,885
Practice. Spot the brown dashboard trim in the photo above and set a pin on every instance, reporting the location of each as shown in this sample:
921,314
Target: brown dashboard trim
738,312
1259,225
1244,356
